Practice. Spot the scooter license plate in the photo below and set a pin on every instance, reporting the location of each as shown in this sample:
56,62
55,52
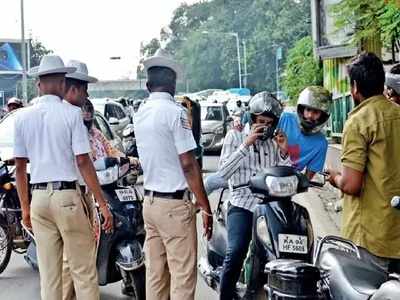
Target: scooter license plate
125,195
291,243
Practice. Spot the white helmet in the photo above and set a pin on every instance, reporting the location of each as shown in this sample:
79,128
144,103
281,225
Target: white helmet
318,98
266,104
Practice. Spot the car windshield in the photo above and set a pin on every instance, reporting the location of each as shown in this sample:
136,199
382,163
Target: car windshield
211,113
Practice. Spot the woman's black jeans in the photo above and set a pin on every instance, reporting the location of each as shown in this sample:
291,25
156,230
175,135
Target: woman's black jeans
239,227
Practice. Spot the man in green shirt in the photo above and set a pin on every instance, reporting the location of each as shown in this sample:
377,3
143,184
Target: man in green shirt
370,175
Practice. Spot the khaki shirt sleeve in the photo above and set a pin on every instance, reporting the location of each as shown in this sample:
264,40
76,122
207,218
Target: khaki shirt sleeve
355,146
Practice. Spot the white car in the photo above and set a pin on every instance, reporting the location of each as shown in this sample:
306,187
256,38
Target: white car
114,114
7,134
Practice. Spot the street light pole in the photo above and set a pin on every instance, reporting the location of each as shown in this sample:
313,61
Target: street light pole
245,63
23,52
278,57
236,35
238,58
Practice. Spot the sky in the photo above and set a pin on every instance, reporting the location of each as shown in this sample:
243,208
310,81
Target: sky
91,31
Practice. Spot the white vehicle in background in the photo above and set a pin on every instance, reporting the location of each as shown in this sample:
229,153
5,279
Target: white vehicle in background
215,123
231,104
114,113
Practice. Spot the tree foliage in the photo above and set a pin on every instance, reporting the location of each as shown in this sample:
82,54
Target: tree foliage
371,19
301,69
38,51
146,50
210,60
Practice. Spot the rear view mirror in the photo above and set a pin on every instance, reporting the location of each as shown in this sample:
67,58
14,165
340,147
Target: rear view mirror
113,121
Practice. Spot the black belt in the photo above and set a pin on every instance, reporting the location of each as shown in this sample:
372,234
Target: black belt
175,195
57,185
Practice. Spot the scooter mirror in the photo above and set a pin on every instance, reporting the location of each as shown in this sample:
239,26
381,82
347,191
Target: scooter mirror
318,180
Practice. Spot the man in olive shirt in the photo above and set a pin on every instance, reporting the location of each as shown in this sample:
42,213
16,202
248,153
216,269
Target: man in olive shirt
370,174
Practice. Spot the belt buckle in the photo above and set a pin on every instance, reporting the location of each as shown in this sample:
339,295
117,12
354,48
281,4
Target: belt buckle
151,194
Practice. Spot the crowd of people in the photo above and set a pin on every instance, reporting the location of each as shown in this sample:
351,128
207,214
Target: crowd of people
57,136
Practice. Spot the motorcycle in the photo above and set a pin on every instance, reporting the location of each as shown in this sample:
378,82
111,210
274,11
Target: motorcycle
338,272
119,254
282,229
13,237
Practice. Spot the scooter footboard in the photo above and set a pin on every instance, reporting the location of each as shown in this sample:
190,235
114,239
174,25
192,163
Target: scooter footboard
130,255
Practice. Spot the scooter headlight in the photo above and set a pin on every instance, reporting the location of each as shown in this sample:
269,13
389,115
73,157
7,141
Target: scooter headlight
108,175
282,186
262,232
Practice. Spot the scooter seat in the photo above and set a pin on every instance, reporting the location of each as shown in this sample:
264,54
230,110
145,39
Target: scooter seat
349,277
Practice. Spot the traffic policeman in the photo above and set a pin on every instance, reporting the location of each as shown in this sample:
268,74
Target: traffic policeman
165,145
52,136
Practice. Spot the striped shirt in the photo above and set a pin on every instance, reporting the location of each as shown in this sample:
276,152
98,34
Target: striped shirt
239,162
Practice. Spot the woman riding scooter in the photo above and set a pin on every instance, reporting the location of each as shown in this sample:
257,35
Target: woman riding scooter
244,154
99,144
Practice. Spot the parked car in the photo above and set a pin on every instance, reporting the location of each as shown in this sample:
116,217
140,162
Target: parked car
7,134
128,108
215,123
114,113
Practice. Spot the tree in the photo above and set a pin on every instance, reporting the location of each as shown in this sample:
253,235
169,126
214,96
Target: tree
146,50
301,69
38,51
210,60
371,19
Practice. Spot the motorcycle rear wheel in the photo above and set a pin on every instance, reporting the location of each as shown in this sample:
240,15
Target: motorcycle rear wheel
5,247
138,281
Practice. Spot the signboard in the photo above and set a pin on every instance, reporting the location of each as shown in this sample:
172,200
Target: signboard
11,56
330,35
331,41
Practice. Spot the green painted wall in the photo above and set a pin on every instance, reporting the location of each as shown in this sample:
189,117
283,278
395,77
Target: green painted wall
337,82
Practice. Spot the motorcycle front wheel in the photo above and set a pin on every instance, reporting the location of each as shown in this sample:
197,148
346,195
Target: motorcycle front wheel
138,282
5,247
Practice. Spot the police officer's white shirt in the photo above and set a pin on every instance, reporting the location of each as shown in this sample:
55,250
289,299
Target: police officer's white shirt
50,134
162,133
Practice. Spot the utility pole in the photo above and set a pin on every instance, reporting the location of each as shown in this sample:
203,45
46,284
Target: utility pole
236,35
278,58
23,52
245,63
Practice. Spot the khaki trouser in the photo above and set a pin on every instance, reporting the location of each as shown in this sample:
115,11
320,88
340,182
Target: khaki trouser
60,225
170,249
68,284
